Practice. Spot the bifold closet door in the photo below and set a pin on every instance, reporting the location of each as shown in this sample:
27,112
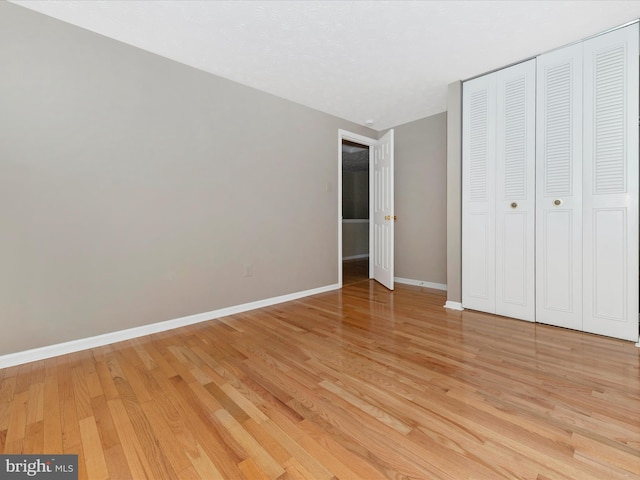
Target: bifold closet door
559,188
498,192
478,193
515,191
610,184
587,186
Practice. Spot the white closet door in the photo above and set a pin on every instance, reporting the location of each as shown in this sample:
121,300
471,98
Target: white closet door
559,188
478,194
515,191
610,188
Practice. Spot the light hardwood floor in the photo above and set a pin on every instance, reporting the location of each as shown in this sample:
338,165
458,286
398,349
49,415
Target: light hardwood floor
355,270
353,384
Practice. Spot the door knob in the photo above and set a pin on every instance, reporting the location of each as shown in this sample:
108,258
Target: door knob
514,204
389,217
557,202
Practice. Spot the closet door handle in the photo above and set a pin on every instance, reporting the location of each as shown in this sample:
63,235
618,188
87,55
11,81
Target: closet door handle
557,202
514,204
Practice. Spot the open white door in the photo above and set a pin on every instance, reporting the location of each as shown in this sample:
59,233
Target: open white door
383,216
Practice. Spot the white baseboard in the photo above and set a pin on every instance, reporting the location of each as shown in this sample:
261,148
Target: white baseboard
420,283
355,257
453,305
49,351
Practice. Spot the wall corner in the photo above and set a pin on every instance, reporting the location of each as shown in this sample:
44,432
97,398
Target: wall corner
454,192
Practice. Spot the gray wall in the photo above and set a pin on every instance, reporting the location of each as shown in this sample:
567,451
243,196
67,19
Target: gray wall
355,193
355,205
355,239
454,192
420,199
134,189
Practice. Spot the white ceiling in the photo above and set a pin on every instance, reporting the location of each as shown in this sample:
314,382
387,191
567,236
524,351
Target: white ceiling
385,61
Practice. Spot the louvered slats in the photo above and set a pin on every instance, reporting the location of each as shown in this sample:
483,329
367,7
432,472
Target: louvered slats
515,139
478,147
609,161
558,153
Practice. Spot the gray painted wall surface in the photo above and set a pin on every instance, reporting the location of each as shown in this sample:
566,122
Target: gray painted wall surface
355,205
134,189
454,192
420,199
355,239
355,194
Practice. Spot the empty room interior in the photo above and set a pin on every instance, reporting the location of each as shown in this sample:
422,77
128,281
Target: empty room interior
319,240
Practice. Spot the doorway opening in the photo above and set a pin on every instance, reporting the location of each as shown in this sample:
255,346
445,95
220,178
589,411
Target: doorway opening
381,204
355,212
358,261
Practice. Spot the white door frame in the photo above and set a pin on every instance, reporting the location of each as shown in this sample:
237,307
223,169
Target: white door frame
370,142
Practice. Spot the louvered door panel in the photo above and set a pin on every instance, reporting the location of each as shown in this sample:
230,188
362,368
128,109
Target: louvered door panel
515,191
610,188
478,194
559,188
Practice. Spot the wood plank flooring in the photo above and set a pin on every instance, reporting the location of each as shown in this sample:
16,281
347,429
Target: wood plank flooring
355,270
359,383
